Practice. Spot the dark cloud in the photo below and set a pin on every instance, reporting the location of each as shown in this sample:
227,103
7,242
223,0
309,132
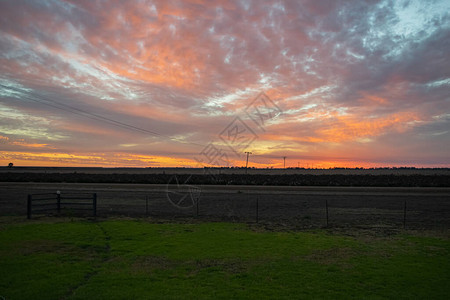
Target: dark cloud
347,74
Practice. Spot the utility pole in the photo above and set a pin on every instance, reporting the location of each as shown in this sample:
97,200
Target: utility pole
246,164
284,161
298,165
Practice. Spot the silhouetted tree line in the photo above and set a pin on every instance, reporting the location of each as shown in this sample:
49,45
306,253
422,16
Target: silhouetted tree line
238,179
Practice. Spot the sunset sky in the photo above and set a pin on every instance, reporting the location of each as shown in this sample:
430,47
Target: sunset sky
165,83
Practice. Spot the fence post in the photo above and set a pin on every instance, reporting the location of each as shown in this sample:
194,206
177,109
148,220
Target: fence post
146,206
198,198
257,209
58,202
326,208
29,206
94,204
404,214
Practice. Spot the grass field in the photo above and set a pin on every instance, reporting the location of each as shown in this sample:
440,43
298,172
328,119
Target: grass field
137,259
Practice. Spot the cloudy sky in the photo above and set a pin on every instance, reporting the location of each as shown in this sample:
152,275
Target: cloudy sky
191,83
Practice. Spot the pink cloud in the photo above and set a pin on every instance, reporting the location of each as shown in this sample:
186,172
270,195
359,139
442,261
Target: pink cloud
184,69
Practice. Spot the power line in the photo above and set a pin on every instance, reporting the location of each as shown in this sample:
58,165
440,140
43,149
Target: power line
45,100
68,108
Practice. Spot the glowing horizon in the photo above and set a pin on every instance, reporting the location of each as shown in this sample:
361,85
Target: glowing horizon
152,83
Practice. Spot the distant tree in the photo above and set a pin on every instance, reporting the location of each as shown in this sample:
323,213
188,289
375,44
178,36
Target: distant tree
10,165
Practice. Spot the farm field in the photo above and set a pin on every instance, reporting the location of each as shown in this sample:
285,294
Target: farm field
302,207
57,258
236,171
218,176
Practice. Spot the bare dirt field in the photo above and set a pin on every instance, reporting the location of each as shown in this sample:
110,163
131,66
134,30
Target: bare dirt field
302,206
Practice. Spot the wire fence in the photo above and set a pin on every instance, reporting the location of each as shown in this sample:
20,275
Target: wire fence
409,210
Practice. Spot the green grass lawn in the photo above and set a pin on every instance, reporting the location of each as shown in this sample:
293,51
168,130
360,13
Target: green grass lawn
135,259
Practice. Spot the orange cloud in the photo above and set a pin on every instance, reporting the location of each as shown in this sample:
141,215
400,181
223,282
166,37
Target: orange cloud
373,99
183,68
348,128
23,143
91,160
337,128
